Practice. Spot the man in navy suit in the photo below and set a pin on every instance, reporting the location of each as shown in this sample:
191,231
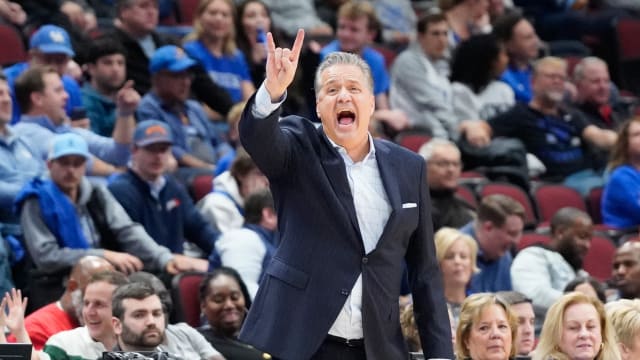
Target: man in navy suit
351,210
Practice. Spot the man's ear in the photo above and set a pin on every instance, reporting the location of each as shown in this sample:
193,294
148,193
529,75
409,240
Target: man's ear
72,285
117,325
35,98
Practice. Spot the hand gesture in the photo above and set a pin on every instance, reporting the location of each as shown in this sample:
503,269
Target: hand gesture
281,65
127,99
12,311
182,263
123,262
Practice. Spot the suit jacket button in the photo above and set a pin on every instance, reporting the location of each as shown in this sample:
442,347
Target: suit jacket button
344,292
365,260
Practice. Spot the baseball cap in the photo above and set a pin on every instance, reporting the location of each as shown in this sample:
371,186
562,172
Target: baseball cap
51,39
152,132
68,144
171,58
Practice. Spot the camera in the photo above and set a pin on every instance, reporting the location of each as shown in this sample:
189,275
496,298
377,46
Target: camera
135,355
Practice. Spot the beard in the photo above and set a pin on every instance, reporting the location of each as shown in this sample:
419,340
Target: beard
139,341
554,96
76,301
570,254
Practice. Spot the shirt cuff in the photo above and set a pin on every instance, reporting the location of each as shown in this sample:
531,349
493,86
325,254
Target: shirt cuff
262,106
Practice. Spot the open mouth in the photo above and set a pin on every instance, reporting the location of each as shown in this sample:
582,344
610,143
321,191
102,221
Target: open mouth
346,117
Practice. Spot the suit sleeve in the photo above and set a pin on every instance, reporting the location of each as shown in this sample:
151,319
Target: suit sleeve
425,279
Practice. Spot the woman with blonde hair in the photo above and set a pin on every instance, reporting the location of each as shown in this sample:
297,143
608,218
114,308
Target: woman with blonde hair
456,253
486,329
213,44
576,328
624,315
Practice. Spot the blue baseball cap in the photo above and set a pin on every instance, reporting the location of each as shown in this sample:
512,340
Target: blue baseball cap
171,58
152,132
51,39
68,144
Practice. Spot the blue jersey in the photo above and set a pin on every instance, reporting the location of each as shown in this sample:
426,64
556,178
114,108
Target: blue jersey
228,71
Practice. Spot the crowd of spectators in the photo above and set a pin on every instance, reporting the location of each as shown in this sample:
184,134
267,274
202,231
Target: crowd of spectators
120,105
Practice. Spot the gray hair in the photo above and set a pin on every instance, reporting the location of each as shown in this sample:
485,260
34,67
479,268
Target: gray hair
579,70
427,149
342,58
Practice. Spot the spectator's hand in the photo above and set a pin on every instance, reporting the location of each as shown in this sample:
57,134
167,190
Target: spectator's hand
281,65
16,14
127,99
181,263
12,311
476,132
397,119
123,262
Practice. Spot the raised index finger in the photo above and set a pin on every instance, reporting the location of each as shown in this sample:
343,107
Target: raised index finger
297,45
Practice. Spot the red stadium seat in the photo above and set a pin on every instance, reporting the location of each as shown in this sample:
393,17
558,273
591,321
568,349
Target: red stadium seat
413,139
514,192
532,238
13,49
466,194
594,200
200,186
184,291
550,198
599,260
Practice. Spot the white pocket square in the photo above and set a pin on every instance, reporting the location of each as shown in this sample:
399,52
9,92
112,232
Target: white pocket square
409,205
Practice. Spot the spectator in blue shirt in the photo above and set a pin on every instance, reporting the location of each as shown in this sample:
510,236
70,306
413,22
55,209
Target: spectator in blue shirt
51,46
42,97
197,146
523,45
497,229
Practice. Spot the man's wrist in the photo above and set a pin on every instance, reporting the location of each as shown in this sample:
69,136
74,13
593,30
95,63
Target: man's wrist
124,113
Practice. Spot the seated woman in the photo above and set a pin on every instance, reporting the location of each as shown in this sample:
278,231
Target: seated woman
620,205
576,328
486,330
456,254
224,301
213,44
624,315
475,69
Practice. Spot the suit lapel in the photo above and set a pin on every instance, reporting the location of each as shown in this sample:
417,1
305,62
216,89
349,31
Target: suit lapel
388,173
335,169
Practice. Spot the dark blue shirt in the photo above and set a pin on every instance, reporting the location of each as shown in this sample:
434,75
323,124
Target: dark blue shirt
494,275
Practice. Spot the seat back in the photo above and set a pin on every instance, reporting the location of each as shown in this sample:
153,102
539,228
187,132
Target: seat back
627,30
594,200
532,238
599,260
466,194
550,198
514,192
186,11
185,295
200,186
13,48
413,139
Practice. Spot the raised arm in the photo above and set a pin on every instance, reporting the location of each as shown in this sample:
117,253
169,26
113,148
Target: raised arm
281,66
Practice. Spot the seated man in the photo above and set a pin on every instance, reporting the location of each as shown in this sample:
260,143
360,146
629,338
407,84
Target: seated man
497,229
251,247
106,67
542,272
64,314
41,96
157,201
560,139
443,172
97,335
420,83
140,324
626,270
67,217
197,146
49,46
522,308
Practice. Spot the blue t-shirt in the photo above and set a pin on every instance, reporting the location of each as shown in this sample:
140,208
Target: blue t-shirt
621,198
520,82
494,275
228,71
70,86
374,59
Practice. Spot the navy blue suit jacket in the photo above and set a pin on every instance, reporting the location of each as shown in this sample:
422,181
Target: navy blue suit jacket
321,253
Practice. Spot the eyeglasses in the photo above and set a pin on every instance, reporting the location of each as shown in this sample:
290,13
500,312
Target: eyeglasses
552,76
445,164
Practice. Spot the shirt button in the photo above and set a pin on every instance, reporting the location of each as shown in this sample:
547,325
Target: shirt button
365,260
344,292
